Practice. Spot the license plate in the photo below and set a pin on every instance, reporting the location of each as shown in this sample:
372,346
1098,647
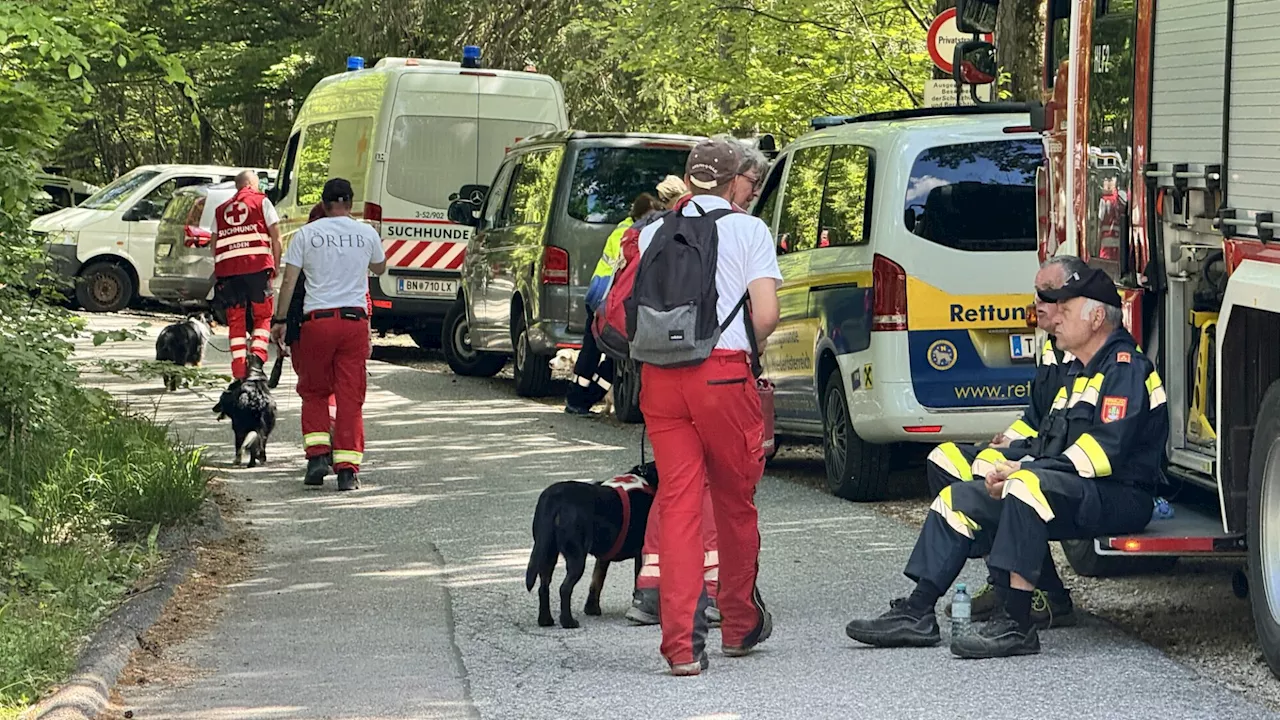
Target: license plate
1022,347
435,287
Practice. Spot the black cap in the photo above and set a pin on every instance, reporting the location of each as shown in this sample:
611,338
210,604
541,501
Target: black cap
1093,284
337,190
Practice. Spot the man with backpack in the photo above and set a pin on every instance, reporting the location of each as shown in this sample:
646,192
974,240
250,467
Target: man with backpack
697,293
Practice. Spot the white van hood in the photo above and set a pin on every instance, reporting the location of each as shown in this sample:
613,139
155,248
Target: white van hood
72,218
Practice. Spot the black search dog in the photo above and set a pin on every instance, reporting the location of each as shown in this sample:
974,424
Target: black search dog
576,519
183,343
252,410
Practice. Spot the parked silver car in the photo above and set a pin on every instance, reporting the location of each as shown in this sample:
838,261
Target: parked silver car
540,229
184,255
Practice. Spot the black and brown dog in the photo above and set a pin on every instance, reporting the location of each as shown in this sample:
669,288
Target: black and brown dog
575,519
252,410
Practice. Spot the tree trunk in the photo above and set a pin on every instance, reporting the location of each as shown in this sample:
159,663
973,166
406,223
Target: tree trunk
1020,47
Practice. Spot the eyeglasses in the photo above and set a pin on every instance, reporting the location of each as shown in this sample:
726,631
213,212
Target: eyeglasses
756,182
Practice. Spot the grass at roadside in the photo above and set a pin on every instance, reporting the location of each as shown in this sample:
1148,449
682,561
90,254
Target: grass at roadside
81,500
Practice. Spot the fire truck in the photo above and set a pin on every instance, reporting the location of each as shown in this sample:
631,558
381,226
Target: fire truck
1161,123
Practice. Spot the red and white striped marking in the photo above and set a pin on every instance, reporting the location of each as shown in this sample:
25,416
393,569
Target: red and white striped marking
424,254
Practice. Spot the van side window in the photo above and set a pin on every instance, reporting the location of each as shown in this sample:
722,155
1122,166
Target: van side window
158,199
313,162
978,197
802,200
445,144
286,165
332,149
533,187
607,180
766,207
497,195
846,204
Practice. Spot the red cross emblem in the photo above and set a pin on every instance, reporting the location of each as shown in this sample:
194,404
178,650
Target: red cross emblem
236,213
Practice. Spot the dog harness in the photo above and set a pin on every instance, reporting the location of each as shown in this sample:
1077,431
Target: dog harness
624,484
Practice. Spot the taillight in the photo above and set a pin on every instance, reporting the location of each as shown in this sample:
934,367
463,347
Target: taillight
373,216
555,266
889,293
195,236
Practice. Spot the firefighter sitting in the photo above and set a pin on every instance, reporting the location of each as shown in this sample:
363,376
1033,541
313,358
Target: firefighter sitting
949,463
1093,470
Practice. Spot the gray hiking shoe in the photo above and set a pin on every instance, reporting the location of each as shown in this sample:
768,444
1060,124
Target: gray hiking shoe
644,608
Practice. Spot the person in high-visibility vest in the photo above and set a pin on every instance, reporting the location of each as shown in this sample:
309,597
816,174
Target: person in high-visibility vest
246,253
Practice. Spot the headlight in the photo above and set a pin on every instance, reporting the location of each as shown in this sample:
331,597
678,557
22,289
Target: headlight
62,237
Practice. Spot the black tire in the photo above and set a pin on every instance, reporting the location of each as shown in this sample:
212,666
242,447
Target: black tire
456,341
626,392
856,470
1263,534
1087,562
427,339
532,371
104,287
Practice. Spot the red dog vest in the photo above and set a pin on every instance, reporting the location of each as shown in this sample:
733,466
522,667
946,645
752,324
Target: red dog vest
624,484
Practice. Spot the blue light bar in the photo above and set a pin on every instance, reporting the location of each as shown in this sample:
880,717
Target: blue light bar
355,63
471,56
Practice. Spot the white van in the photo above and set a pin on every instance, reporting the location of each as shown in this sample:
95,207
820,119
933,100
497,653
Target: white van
408,133
105,247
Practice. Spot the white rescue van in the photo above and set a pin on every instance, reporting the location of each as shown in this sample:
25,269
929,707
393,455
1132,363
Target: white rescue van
408,133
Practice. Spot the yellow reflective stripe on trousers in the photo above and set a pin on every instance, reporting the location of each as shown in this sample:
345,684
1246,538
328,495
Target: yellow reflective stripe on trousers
347,456
1025,486
958,521
322,438
1155,390
1088,457
948,457
986,462
1020,430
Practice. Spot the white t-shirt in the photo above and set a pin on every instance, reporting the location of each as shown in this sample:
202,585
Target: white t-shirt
335,253
269,213
745,254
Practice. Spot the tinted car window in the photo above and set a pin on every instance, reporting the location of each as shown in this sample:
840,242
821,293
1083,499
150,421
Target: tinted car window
846,203
976,196
607,180
532,188
802,200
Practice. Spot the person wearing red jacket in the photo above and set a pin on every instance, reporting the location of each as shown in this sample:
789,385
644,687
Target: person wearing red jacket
246,253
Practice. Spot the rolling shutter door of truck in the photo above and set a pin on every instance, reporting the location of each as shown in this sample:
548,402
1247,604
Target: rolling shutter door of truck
1253,147
1187,82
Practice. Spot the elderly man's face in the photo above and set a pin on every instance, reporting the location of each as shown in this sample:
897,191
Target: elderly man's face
746,187
1075,327
1048,278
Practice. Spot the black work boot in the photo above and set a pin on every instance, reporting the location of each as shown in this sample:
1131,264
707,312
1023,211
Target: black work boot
998,637
1051,610
902,626
347,479
644,607
317,468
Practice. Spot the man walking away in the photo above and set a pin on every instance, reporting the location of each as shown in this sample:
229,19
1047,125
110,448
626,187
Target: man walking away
336,253
246,253
703,414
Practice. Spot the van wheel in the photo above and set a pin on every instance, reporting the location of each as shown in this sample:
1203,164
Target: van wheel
1264,527
532,371
626,392
462,358
856,470
104,287
1086,561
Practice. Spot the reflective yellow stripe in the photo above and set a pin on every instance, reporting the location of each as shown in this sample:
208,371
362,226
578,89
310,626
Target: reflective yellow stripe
1155,390
1092,390
949,458
958,521
1077,391
1025,486
986,462
1088,457
650,571
1020,430
1047,357
1060,400
322,438
347,456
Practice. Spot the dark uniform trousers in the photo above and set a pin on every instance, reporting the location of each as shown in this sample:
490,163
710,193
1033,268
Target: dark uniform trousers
1090,470
593,372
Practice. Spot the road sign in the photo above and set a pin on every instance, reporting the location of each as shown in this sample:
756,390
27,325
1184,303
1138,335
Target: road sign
942,93
943,38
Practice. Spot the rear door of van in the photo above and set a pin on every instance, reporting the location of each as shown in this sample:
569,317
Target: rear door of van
966,243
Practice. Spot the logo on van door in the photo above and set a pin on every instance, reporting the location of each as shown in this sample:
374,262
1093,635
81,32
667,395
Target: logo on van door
942,355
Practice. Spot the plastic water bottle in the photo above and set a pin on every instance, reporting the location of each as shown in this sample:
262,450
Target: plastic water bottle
960,611
1163,510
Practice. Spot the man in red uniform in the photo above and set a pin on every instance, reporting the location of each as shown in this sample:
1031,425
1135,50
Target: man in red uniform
336,253
706,426
246,253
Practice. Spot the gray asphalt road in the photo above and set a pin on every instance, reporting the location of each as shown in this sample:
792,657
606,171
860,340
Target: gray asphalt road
406,598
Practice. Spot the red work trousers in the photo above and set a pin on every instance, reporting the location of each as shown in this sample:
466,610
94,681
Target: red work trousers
706,428
329,358
239,333
651,572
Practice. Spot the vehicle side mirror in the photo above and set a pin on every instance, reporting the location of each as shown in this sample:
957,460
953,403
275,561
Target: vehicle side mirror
1039,116
142,210
976,16
462,212
973,62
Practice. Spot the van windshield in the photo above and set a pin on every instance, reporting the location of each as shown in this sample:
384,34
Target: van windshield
607,180
110,197
978,197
